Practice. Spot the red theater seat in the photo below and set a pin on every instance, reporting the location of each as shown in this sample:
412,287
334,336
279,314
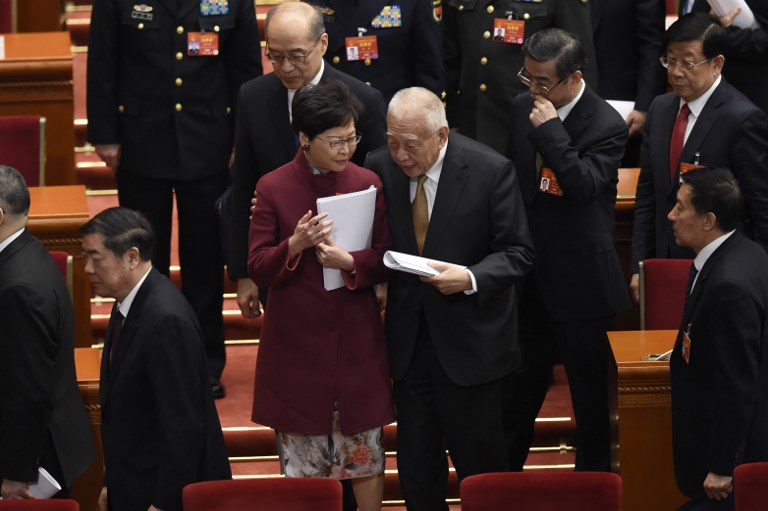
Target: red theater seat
749,486
39,505
270,494
662,292
22,146
64,262
542,491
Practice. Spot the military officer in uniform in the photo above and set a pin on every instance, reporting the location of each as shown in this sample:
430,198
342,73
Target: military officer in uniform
388,44
163,77
481,70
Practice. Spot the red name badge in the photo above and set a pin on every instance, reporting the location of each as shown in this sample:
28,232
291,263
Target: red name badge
548,183
508,31
202,44
362,48
686,351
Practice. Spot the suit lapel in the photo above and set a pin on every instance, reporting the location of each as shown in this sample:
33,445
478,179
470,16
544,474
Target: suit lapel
665,137
705,122
399,204
452,179
279,112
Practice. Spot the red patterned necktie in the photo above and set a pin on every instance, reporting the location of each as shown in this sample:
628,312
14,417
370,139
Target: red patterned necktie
678,137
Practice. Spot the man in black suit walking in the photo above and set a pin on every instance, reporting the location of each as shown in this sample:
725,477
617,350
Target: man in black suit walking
718,365
264,139
42,419
163,77
567,144
159,426
452,338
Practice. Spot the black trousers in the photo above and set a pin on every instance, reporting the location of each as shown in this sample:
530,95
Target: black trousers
200,256
583,347
433,413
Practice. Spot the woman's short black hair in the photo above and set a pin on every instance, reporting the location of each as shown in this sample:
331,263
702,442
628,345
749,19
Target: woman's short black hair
320,107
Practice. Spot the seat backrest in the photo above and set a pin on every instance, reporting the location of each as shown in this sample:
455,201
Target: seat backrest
64,262
268,494
39,505
662,292
750,481
22,146
7,16
542,491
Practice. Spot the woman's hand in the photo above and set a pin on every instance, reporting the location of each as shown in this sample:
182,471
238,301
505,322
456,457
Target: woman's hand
333,256
310,231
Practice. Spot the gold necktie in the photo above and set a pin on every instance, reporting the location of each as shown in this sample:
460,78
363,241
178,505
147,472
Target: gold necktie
420,214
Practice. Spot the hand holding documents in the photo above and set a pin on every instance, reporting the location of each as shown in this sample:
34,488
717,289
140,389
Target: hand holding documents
745,19
352,215
45,487
412,264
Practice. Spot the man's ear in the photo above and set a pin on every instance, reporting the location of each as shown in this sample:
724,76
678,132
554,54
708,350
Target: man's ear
133,257
710,221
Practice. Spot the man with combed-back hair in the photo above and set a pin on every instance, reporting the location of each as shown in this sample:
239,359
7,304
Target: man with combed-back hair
43,423
452,338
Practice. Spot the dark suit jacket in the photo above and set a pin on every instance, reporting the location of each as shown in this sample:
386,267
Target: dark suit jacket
42,417
746,64
479,92
720,398
577,267
628,43
409,55
730,132
173,114
265,141
478,220
159,426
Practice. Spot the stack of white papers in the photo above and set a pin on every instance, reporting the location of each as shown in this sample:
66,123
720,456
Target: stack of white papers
745,19
412,264
45,487
352,215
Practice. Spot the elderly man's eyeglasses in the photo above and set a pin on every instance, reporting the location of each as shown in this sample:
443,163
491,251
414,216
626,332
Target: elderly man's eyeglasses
687,65
529,82
295,58
338,144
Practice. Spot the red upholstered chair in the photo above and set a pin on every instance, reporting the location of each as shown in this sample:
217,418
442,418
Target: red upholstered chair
22,146
542,491
269,494
749,486
64,262
39,505
662,292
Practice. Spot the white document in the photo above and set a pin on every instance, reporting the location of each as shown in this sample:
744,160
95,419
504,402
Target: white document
45,487
412,264
745,19
623,107
2,47
352,215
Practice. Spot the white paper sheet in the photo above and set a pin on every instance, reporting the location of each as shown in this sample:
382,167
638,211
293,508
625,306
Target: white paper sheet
352,215
623,107
412,264
745,19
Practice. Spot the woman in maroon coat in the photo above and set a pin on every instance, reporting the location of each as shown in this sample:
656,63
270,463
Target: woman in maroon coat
322,378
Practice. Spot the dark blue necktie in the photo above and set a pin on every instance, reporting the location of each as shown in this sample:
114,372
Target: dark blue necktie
691,278
114,333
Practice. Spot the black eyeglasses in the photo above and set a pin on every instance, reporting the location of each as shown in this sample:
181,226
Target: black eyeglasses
685,64
526,80
338,145
295,58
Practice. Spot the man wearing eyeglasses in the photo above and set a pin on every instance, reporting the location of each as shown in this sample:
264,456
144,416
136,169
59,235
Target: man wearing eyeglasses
163,77
703,122
566,144
264,140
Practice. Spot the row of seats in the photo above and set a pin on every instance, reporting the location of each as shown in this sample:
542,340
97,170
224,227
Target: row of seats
539,491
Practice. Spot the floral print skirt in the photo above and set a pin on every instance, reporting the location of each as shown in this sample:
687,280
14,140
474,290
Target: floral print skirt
336,455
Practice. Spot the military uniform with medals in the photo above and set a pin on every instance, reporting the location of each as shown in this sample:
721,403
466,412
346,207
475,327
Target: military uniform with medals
390,45
163,77
483,53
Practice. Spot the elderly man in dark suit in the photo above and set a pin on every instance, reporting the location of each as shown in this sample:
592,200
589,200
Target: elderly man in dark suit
159,426
704,121
719,364
452,338
567,144
43,423
264,139
163,77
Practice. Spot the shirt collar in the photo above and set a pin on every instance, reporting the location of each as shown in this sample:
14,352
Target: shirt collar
436,169
697,105
10,239
564,110
125,305
709,249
